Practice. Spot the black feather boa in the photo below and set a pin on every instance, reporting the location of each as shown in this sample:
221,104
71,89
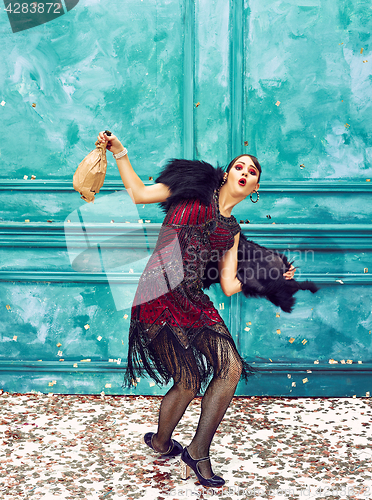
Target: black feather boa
260,270
190,179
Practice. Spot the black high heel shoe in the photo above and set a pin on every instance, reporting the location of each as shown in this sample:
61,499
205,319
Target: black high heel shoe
174,449
187,463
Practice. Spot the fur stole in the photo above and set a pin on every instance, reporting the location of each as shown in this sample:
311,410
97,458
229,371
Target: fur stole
190,179
260,270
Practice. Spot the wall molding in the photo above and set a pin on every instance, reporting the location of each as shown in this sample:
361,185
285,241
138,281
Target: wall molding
332,237
314,186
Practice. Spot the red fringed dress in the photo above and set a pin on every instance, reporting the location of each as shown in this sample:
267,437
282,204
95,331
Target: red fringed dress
175,331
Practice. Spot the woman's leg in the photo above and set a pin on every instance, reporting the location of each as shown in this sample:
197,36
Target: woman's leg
172,408
228,368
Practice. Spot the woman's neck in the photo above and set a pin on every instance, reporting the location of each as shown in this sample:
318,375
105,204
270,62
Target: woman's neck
226,201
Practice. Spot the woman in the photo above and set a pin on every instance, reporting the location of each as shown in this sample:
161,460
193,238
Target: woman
176,333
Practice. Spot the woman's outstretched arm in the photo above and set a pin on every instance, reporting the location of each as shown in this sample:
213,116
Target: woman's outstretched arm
139,193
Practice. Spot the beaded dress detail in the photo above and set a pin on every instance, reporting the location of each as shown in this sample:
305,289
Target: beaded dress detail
171,314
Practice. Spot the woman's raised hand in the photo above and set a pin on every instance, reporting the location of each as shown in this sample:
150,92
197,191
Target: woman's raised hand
114,145
290,273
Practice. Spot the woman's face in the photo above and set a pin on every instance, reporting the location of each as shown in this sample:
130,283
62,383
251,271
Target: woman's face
243,177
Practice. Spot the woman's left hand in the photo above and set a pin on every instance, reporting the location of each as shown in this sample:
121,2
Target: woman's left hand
290,273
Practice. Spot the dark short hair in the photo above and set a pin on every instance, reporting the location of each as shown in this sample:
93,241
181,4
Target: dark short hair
253,158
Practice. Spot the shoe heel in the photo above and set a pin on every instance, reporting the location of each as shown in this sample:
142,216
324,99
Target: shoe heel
184,470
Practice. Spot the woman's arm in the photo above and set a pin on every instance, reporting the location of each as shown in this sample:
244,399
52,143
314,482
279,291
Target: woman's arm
227,267
139,193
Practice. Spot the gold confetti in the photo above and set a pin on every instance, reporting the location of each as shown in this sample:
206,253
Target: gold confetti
152,384
151,178
15,338
59,344
25,177
278,315
222,306
34,104
347,125
293,384
361,50
309,371
60,353
332,362
61,360
50,384
86,327
368,180
340,281
354,396
302,166
68,221
99,338
246,329
249,322
75,365
85,360
367,394
147,220
2,103
270,360
125,316
304,380
131,271
341,43
291,340
304,342
112,221
27,220
245,143
111,360
349,361
289,375
360,362
278,331
342,361
316,362
108,386
365,61
33,177
277,103
140,221
366,269
197,104
8,307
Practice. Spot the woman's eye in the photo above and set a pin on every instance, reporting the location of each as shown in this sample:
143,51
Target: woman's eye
238,167
253,172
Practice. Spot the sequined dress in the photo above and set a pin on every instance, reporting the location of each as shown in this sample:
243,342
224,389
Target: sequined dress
175,330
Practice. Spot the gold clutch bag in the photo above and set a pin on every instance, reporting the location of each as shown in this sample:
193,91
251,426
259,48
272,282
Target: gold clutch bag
90,174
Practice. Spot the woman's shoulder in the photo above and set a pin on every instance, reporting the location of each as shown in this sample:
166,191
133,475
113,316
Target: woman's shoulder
190,179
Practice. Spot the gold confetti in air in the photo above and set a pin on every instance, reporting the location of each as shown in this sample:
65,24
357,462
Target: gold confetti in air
349,361
68,221
86,327
277,103
111,360
291,340
304,342
152,383
33,177
34,104
304,380
3,103
140,221
125,316
99,338
59,344
151,178
368,180
27,220
197,104
270,360
293,384
61,360
309,371
108,386
75,365
342,361
245,143
85,360
289,375
366,269
278,331
316,362
222,306
332,362
365,61
249,323
15,338
347,125
360,362
59,354
302,166
340,281
278,315
8,307
361,50
146,220
246,329
25,177
367,394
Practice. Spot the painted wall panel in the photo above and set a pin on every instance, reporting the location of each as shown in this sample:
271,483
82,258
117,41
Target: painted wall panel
286,80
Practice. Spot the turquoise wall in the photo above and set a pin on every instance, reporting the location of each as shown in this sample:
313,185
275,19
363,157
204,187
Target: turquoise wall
288,81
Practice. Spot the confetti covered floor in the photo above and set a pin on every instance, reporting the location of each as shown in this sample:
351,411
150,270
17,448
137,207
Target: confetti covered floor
91,447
